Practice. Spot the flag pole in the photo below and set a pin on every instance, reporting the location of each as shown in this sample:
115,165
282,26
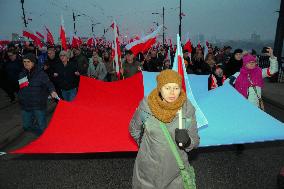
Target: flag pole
180,111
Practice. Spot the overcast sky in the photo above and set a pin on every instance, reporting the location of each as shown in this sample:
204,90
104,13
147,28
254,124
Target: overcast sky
225,19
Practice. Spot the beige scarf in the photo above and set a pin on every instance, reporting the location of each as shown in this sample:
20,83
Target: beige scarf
165,111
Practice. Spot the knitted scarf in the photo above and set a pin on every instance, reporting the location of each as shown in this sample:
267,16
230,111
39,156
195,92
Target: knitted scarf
165,111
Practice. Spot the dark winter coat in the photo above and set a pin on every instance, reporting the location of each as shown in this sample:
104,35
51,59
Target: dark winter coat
82,64
232,67
155,165
34,96
66,78
130,69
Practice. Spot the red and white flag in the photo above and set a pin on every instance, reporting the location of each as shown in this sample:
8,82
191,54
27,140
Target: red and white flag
206,49
75,42
35,38
113,25
24,82
117,52
91,42
49,37
143,44
63,35
4,42
179,62
187,46
136,37
40,35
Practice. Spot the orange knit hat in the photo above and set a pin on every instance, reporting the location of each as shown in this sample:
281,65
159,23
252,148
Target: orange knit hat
168,76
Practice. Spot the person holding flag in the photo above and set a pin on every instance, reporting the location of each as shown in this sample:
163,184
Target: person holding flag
162,161
35,87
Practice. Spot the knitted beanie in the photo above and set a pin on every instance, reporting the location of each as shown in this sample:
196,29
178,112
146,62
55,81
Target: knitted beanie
248,58
30,57
168,76
238,51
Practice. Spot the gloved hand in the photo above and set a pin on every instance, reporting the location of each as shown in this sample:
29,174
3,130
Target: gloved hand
182,136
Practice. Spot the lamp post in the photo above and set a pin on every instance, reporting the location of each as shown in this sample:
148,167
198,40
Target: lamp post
74,20
180,18
93,25
163,16
24,15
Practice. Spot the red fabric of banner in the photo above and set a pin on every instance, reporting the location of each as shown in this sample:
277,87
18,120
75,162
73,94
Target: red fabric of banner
96,121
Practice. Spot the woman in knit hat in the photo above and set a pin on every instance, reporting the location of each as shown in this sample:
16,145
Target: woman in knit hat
250,78
156,165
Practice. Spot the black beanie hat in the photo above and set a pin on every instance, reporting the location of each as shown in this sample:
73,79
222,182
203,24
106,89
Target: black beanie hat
31,57
238,51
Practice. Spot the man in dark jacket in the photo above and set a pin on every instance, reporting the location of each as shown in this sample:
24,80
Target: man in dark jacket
12,68
81,61
35,88
130,66
66,75
156,63
49,67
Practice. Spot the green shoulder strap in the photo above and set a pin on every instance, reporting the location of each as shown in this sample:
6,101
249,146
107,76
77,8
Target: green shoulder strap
188,176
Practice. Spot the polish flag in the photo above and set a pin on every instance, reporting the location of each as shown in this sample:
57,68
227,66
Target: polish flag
187,46
80,41
4,42
134,39
114,25
117,52
63,35
143,44
91,42
179,62
179,66
206,49
35,38
40,35
24,82
49,37
75,42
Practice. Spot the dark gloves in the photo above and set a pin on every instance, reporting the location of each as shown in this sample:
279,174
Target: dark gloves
182,136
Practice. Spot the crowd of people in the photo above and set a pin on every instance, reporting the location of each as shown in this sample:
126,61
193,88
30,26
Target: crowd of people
32,74
64,68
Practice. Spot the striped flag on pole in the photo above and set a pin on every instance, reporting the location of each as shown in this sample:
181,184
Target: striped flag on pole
24,82
117,52
40,35
63,35
49,37
179,66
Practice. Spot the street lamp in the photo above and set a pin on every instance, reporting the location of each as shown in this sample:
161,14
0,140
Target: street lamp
156,23
163,15
74,18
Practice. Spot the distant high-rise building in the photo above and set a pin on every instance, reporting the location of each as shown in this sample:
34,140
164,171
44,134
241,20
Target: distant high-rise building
255,37
15,37
198,38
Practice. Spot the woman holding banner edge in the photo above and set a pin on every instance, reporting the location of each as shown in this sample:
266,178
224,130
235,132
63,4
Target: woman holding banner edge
162,161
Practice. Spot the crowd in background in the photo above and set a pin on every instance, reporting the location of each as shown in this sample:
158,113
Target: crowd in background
64,67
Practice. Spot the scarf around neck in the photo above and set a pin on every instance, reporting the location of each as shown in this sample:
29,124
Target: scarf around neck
243,83
165,111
